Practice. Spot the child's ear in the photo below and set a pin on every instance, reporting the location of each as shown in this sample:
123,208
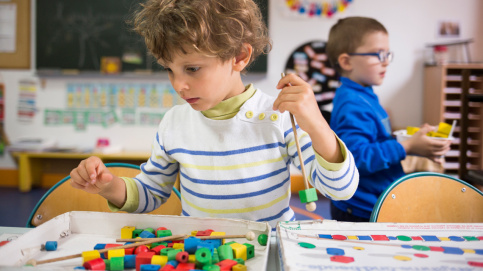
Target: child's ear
344,62
243,58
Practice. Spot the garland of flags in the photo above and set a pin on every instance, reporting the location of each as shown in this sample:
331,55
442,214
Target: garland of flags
317,8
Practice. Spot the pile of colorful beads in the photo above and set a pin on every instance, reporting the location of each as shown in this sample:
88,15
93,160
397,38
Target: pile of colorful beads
192,253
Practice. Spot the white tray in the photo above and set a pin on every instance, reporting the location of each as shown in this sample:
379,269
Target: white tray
76,232
376,255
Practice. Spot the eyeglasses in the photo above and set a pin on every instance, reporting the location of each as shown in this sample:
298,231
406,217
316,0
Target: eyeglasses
382,55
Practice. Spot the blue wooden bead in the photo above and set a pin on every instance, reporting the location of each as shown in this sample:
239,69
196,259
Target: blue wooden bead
130,261
147,234
150,267
51,245
190,244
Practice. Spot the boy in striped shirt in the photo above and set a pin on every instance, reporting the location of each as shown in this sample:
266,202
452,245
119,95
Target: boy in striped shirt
231,144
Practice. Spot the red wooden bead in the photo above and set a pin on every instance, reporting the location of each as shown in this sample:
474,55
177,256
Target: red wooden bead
143,258
109,246
186,266
96,264
182,257
157,249
140,249
204,233
227,263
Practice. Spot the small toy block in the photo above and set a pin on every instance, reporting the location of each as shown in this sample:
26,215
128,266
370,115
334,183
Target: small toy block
185,266
308,195
444,128
227,264
147,234
136,232
239,267
157,249
167,267
193,233
129,250
239,251
182,257
105,255
262,239
99,246
204,233
161,229
172,254
240,261
178,246
115,253
126,232
214,242
95,264
215,257
203,257
116,264
90,255
410,130
170,245
150,267
141,249
250,250
79,268
51,245
190,244
107,263
192,258
164,251
206,245
151,230
211,267
159,260
173,263
163,233
143,258
225,252
130,261
342,259
159,244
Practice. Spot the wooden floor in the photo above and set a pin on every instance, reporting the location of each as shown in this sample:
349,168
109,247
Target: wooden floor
15,206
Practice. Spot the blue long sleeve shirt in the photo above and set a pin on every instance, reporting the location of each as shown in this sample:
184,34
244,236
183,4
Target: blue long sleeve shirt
361,122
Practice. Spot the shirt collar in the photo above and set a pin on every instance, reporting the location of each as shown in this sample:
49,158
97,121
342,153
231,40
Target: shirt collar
230,107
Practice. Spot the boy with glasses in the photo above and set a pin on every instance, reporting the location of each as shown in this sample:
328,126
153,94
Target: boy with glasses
358,47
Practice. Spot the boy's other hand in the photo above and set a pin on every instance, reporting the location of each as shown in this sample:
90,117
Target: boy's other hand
423,145
91,175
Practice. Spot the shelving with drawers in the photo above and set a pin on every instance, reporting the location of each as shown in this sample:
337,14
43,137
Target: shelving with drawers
444,94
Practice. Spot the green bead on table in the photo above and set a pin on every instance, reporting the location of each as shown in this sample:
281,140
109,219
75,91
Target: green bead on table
308,195
262,239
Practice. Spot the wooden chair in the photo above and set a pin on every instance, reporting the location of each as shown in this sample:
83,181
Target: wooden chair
62,198
429,197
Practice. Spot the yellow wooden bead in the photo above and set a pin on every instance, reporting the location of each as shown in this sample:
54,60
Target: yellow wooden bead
90,255
115,253
159,260
126,232
192,258
178,246
239,267
239,251
219,233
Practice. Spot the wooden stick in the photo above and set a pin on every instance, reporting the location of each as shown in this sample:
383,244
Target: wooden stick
147,241
250,236
310,206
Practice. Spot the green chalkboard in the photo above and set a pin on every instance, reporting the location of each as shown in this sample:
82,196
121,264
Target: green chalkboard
74,35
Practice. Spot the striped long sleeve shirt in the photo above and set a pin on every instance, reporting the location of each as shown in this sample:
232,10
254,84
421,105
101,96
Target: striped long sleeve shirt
237,167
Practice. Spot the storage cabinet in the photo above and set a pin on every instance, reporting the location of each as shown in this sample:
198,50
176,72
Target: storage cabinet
444,94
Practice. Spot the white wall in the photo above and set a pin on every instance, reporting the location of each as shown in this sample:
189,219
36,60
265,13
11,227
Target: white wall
411,24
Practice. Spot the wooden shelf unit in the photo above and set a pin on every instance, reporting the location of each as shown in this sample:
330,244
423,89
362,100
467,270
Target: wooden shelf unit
444,86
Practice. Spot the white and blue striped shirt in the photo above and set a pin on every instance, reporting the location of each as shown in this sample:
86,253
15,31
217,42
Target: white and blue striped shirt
235,168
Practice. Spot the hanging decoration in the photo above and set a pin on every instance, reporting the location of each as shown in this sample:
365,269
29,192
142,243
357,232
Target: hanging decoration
315,8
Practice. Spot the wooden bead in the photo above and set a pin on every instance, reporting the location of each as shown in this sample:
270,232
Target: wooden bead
95,264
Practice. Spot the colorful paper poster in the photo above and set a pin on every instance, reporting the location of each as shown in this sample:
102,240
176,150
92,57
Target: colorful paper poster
27,100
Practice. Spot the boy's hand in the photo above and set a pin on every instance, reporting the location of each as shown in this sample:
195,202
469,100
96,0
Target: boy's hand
91,176
423,145
298,98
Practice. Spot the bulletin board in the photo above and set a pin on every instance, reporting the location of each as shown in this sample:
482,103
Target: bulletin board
20,59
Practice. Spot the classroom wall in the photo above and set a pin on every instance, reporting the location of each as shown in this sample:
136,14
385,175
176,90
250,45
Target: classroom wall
411,24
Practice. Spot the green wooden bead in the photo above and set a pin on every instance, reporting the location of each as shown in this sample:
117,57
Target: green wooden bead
225,252
211,267
240,261
163,233
262,239
203,257
250,250
308,195
136,233
116,264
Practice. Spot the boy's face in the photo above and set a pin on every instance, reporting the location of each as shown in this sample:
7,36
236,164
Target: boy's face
203,81
369,70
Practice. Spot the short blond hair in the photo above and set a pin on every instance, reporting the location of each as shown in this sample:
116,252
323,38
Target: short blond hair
348,34
211,27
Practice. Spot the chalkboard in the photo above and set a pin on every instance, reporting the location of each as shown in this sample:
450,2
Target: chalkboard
75,35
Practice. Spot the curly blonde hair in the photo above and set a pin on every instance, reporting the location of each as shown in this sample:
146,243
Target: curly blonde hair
211,27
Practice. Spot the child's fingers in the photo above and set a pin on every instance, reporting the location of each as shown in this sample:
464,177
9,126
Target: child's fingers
93,166
290,80
77,181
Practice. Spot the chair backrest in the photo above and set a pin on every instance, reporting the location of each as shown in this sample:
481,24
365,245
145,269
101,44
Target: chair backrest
429,197
63,198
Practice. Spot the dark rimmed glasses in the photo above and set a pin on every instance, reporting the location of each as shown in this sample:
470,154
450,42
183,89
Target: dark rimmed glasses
382,55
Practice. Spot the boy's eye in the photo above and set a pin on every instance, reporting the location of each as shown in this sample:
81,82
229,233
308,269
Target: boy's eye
193,69
166,69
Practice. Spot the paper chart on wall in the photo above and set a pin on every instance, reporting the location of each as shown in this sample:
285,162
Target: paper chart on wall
317,245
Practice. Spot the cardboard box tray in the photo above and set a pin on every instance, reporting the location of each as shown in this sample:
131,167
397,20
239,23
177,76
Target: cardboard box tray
76,232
